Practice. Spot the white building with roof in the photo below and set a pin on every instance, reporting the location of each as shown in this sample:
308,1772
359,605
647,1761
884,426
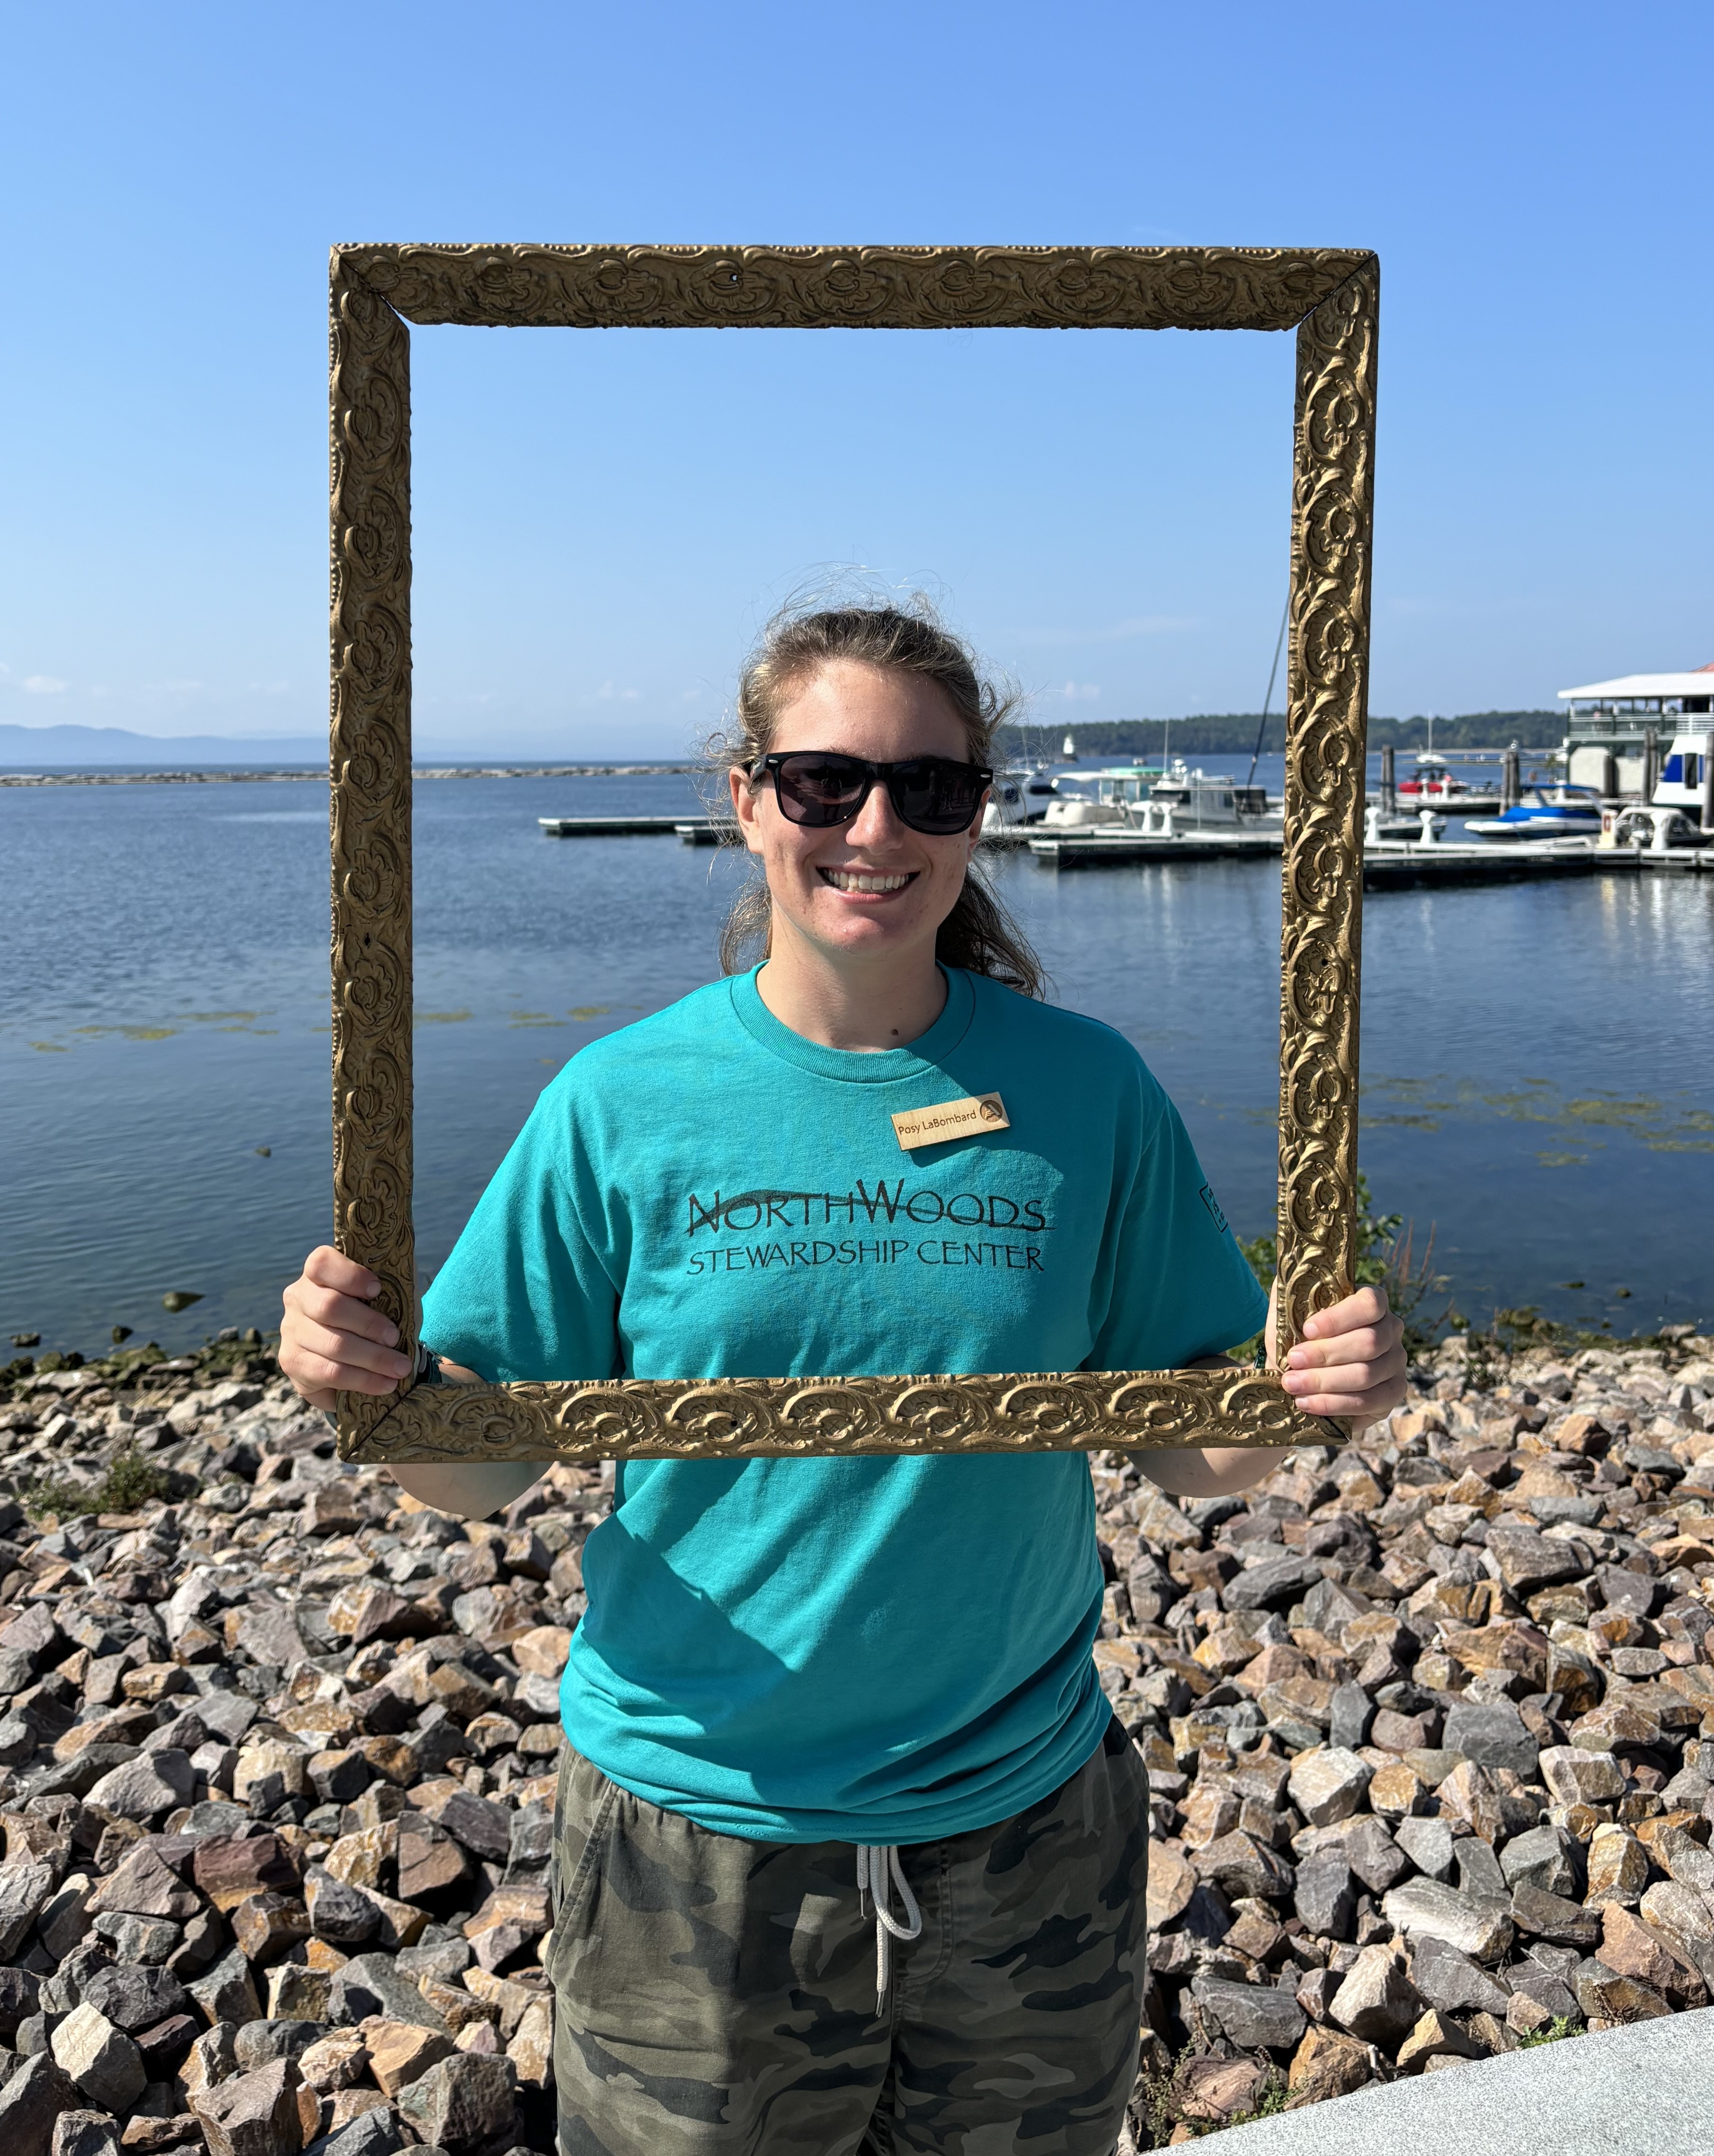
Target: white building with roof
1615,719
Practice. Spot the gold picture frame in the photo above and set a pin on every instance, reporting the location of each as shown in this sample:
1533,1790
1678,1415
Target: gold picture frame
1329,296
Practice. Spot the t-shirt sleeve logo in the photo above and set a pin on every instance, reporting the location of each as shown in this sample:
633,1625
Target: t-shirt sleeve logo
1207,1195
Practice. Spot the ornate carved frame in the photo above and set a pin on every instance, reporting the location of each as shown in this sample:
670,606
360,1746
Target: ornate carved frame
1329,296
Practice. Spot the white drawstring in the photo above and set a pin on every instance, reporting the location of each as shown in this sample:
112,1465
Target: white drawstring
878,1871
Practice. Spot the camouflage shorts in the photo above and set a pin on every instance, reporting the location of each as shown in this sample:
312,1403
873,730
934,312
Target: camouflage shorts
716,1996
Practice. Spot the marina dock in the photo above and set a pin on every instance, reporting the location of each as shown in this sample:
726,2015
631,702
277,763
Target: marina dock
694,830
1093,847
1388,864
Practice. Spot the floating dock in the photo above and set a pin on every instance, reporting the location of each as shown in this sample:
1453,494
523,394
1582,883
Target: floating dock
694,830
1388,864
1094,847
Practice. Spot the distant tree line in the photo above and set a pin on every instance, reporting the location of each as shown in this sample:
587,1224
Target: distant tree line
1227,732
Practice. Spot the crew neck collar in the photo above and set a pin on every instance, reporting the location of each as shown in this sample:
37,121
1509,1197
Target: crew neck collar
848,1066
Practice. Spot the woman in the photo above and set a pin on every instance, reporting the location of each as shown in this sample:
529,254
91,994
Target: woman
851,1851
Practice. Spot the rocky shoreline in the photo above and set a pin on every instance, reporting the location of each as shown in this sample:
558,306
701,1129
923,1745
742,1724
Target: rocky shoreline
1428,1722
241,777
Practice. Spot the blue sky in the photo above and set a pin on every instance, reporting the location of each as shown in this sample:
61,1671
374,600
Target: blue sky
602,520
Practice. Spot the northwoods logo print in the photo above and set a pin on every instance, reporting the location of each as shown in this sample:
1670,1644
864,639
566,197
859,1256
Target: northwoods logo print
888,1206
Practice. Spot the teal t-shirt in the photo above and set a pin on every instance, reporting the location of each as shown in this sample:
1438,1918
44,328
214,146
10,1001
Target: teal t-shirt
862,1649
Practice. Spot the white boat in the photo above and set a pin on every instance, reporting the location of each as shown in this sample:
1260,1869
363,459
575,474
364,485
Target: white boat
1018,797
1544,812
1141,796
1613,743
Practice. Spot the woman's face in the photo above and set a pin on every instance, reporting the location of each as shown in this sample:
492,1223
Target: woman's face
873,888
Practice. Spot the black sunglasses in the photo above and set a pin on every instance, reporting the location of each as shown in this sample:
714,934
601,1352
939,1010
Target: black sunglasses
822,789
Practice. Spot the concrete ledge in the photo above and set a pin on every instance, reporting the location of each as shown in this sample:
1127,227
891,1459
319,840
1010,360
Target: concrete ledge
1643,2091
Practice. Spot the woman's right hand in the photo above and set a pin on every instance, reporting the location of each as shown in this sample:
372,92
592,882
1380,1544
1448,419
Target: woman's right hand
330,1340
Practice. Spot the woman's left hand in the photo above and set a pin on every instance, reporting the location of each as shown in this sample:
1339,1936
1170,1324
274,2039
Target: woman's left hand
1350,1361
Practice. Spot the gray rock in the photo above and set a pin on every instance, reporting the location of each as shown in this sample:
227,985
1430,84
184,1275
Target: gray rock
33,2098
1272,1586
34,1635
1330,1607
1550,1992
462,2101
260,2043
531,1844
1479,1872
1239,1865
1325,1894
227,1993
226,1715
138,1938
1545,1857
102,2060
371,1984
85,2133
1353,1712
1528,1561
19,1991
1634,1593
446,1960
215,1819
19,1739
1254,2016
1493,1735
77,1777
1372,1852
1481,1928
1428,1844
144,1885
135,1999
374,2134
146,1787
30,2039
1546,1915
252,2114
338,1912
1328,1784
25,1888
1452,1982
483,1828
270,1635
1377,2002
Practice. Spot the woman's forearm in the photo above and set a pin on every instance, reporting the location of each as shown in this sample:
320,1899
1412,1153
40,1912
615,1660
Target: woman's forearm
473,1491
1213,1470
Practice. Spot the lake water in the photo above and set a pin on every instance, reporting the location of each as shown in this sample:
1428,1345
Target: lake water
1536,1080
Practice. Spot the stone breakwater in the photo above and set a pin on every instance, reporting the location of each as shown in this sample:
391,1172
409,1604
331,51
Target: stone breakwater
1428,1722
238,777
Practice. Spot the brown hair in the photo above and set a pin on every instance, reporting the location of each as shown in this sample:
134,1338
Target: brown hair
978,933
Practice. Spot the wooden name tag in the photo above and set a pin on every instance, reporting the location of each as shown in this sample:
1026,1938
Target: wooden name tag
952,1119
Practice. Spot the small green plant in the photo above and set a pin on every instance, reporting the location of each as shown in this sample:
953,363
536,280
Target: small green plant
130,1481
1558,2027
1155,2109
1385,1258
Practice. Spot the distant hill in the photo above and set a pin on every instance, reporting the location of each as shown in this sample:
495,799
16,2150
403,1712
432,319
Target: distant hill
1230,732
57,748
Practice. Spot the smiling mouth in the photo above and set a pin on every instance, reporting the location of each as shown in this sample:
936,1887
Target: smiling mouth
856,880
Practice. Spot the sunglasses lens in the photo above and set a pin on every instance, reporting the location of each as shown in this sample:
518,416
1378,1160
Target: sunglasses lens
820,789
936,797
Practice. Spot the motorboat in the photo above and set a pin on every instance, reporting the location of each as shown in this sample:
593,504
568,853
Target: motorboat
1018,797
1544,812
1680,810
1432,780
1130,796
